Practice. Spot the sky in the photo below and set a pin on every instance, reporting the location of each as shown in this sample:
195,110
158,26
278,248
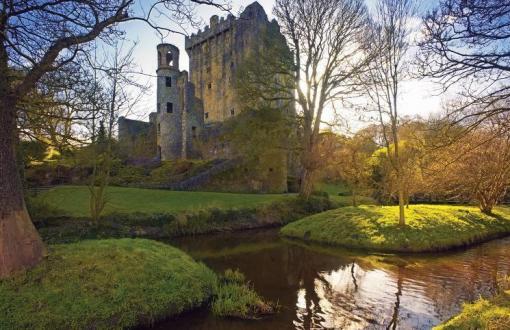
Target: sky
418,97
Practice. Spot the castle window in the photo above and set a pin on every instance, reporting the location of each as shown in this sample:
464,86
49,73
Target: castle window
206,115
232,64
168,81
194,132
158,107
232,112
169,107
209,85
159,128
270,169
208,70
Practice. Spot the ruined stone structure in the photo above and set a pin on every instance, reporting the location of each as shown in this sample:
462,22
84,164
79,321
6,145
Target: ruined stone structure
191,107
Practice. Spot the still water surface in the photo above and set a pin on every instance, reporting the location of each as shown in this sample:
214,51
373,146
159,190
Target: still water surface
329,288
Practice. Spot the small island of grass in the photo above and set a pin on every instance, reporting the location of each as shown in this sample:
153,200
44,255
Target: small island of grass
428,227
105,284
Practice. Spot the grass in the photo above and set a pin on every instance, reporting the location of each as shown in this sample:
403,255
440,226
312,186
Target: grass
73,201
493,313
104,284
428,228
235,298
340,194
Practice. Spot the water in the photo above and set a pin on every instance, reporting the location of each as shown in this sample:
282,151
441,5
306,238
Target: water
330,288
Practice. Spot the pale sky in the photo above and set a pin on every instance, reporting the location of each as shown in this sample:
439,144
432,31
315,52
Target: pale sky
417,97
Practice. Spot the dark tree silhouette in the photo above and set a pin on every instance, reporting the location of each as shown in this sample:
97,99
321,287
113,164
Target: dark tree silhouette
467,44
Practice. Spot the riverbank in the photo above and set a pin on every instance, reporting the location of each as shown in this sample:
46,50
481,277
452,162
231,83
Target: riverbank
428,228
105,284
492,313
59,222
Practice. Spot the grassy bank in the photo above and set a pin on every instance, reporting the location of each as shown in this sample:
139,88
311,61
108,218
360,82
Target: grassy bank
428,228
104,284
73,201
62,222
493,313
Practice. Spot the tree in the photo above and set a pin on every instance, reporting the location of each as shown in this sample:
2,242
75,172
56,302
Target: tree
38,38
116,92
354,163
476,166
326,39
390,39
466,44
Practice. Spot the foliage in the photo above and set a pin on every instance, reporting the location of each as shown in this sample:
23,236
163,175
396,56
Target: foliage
429,227
235,298
105,284
475,167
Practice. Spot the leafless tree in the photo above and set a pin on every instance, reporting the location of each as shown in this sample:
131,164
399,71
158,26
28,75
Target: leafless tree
38,38
390,37
325,37
466,45
117,92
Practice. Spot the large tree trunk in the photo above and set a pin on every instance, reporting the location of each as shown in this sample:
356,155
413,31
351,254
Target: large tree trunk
306,187
21,246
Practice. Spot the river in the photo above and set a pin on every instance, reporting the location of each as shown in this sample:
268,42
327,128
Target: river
321,287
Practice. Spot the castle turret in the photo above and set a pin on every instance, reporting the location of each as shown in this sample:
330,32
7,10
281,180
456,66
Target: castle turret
169,105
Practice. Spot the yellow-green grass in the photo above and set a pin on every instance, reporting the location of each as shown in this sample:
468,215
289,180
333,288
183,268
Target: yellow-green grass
428,227
493,313
73,201
104,284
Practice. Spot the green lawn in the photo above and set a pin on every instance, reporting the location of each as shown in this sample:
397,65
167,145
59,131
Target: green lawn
429,227
340,194
105,284
493,313
74,200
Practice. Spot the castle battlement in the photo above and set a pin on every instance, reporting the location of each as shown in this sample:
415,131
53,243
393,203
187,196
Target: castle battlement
218,25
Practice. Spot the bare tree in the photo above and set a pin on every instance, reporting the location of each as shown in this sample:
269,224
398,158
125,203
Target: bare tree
390,37
466,44
475,167
37,38
325,37
117,92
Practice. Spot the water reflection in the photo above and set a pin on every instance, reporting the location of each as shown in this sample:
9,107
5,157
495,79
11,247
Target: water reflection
328,288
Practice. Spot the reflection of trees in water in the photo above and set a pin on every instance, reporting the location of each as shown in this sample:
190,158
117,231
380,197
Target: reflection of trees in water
394,318
338,289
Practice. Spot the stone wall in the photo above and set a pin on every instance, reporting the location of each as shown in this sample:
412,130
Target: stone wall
137,139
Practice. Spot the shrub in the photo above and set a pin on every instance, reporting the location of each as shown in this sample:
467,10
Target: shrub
235,298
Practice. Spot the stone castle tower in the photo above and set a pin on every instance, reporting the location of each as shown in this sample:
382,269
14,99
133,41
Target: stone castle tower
188,106
215,55
178,117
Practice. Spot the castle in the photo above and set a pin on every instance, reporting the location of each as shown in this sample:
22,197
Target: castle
191,107
189,103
